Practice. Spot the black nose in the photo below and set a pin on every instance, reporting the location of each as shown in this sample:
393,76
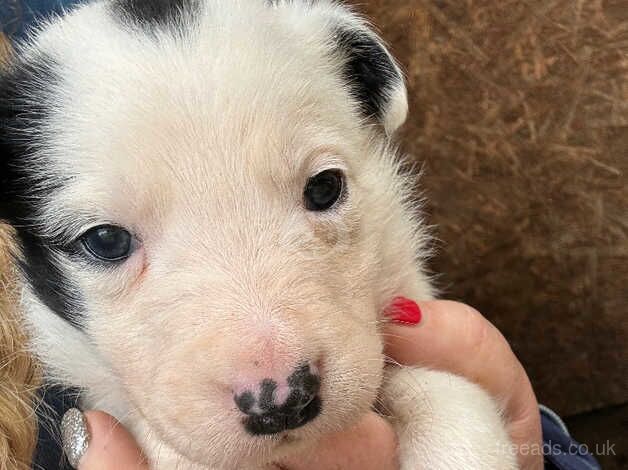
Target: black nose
265,416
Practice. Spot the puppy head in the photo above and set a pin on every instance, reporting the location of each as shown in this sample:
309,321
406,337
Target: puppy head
207,210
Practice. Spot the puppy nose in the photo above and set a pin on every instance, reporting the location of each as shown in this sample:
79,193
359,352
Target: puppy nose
271,408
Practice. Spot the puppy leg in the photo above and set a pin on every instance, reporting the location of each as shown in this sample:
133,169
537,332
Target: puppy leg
445,422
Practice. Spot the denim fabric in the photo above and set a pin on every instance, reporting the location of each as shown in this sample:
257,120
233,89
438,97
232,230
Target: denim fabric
16,16
561,451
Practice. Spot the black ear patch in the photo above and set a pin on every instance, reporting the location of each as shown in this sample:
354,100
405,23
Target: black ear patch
151,12
369,71
22,185
21,114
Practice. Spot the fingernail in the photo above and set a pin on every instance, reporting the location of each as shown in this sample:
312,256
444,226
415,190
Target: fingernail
404,311
74,435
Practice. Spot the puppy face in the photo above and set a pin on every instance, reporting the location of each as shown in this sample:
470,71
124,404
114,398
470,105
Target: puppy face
210,218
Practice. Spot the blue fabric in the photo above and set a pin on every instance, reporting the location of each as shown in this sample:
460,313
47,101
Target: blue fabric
561,451
16,16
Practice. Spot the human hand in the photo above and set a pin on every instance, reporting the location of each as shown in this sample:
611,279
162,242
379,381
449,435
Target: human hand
96,441
111,446
450,336
456,338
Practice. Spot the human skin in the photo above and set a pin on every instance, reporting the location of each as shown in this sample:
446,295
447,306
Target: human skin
451,336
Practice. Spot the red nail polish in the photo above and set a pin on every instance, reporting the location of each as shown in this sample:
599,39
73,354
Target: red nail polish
405,311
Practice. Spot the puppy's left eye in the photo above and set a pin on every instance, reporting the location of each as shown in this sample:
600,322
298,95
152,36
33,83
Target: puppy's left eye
108,243
323,190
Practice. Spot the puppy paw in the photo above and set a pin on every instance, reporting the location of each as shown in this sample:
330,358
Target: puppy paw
445,422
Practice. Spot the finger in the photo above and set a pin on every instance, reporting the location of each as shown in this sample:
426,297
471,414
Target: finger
96,441
370,445
458,339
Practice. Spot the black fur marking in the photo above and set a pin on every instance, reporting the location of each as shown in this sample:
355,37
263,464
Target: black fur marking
151,12
301,406
279,421
267,395
21,184
368,69
245,402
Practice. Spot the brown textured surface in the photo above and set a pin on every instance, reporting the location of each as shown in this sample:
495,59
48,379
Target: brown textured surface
519,113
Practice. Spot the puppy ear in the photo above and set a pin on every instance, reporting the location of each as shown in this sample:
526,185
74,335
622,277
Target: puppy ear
371,73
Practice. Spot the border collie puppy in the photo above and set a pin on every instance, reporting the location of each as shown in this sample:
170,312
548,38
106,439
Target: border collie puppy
211,220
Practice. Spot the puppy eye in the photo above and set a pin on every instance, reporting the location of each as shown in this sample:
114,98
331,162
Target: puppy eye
323,190
108,243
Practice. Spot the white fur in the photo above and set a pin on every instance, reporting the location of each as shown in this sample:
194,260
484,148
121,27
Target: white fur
442,420
201,144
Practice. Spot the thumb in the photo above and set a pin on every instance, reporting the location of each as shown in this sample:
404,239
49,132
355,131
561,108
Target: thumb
456,338
97,441
370,445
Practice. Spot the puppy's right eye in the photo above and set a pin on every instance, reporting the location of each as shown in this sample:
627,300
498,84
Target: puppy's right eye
108,243
323,190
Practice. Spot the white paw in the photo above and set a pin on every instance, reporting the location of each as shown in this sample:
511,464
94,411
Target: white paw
445,422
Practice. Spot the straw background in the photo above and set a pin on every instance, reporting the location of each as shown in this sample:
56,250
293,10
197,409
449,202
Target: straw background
519,118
